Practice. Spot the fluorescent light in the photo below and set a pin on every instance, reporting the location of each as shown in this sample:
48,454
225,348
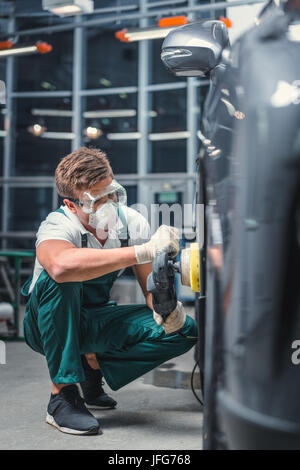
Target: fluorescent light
67,10
104,113
294,32
39,47
215,153
110,113
229,106
151,33
153,137
68,7
124,136
165,25
169,135
201,136
143,33
58,135
51,112
18,51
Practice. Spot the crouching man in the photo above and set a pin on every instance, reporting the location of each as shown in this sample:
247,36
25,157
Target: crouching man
69,316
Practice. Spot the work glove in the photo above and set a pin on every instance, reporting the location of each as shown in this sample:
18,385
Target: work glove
174,321
165,239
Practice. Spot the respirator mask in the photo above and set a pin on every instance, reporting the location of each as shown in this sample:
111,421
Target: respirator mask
102,207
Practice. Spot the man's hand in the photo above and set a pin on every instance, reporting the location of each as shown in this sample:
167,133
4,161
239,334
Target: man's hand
165,239
149,300
174,321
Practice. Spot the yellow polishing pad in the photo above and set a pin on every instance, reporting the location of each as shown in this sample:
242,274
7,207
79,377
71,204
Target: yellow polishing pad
195,267
190,267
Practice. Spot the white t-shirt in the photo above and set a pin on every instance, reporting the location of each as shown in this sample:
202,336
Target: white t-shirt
67,226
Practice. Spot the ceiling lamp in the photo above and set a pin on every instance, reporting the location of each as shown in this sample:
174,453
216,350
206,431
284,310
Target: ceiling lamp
68,7
38,48
93,131
37,129
165,25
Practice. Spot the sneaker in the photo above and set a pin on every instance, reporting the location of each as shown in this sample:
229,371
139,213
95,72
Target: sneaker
92,389
66,411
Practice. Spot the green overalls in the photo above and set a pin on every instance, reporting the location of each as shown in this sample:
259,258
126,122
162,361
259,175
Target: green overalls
64,320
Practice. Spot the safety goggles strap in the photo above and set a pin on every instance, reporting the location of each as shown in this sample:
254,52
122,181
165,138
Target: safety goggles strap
76,201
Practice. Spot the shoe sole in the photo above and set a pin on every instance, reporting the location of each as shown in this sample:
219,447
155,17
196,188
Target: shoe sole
97,407
51,420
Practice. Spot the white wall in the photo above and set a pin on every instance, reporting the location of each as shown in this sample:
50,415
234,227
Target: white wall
242,18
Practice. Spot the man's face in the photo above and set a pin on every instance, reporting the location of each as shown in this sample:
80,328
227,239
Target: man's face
95,190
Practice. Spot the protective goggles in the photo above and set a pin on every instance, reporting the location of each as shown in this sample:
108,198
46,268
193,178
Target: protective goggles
90,200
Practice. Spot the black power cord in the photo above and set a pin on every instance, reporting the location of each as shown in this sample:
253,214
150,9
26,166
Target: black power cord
192,384
193,372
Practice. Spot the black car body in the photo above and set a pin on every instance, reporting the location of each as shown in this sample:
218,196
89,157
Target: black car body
249,180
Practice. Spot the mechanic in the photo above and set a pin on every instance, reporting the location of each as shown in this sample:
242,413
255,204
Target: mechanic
69,316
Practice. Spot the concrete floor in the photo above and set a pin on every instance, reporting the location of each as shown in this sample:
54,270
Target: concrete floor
147,417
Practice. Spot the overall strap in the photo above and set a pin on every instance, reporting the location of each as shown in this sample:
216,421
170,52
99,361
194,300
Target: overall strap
123,232
83,235
84,240
61,211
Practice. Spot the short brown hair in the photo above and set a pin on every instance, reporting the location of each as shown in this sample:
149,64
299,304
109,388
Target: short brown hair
81,169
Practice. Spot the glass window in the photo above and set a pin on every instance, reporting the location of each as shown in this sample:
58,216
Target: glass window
111,113
37,155
121,154
110,63
131,194
17,243
201,92
50,71
28,208
2,69
169,156
169,111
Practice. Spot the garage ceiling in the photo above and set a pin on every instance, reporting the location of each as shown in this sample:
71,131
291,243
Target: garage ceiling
33,7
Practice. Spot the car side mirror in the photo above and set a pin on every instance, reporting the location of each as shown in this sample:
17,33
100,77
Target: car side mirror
195,49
